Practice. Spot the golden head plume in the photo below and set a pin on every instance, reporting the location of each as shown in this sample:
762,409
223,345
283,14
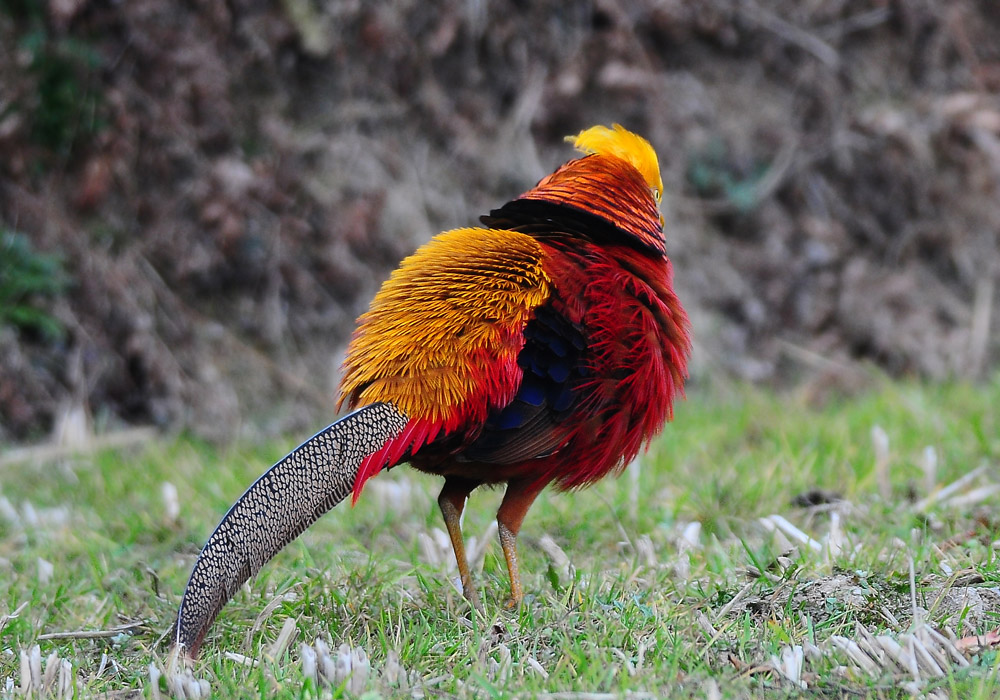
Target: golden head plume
622,143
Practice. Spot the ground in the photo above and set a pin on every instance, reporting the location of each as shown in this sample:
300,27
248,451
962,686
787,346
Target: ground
759,533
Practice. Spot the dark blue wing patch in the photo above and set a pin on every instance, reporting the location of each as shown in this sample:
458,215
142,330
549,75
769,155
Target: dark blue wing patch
533,424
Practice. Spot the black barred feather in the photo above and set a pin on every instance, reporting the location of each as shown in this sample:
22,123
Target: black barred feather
284,501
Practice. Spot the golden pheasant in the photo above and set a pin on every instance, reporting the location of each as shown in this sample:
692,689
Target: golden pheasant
543,348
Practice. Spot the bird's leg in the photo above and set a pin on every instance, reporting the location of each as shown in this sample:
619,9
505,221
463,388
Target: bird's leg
518,498
452,502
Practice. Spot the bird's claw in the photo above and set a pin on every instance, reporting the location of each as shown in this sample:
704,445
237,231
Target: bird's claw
473,597
512,603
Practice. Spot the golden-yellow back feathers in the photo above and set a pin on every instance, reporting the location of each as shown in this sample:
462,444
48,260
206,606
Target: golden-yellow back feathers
457,305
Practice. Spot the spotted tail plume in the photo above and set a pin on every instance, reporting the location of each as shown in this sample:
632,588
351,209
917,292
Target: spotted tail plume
283,502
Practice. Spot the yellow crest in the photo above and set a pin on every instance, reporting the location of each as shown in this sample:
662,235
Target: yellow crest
622,143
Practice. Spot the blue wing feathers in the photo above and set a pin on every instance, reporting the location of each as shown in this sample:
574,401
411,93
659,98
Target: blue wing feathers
534,423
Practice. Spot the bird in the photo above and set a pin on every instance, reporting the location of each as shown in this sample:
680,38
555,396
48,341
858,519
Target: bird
544,347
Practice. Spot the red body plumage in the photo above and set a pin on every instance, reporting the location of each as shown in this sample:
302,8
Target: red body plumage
637,342
587,245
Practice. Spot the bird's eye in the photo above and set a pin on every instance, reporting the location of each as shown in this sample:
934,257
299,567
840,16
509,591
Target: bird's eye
656,194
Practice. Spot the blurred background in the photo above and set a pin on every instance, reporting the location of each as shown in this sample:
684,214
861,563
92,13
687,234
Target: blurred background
197,199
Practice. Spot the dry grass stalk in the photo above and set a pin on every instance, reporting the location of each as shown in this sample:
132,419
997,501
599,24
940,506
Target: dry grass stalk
920,655
91,634
179,678
558,561
53,679
944,494
979,333
727,608
350,667
285,637
4,619
781,524
789,664
880,443
272,605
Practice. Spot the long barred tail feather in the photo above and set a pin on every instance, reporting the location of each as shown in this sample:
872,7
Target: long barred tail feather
283,502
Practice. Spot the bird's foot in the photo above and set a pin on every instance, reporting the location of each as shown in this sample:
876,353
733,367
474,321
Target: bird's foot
473,597
512,603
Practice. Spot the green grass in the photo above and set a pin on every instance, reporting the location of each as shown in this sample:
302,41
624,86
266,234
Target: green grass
631,614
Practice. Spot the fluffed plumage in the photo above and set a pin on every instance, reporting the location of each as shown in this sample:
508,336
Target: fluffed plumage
546,347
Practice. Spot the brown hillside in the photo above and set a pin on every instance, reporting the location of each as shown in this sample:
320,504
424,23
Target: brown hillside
227,183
